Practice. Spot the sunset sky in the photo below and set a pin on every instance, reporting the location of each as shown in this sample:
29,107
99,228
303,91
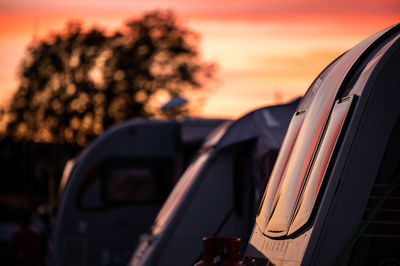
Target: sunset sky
267,50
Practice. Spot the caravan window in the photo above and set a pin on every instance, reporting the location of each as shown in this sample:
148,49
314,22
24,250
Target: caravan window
124,181
277,174
124,184
319,167
135,180
299,189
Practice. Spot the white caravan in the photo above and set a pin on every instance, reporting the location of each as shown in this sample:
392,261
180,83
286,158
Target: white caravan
112,192
333,197
219,193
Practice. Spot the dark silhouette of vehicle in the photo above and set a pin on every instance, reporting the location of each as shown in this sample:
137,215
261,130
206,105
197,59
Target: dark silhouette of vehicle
220,191
112,191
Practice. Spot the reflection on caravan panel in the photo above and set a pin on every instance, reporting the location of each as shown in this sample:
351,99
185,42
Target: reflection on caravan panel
280,166
318,169
315,213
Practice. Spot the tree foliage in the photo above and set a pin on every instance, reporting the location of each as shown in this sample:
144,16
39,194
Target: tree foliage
75,84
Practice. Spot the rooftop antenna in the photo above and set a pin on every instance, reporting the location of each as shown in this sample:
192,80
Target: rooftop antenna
171,107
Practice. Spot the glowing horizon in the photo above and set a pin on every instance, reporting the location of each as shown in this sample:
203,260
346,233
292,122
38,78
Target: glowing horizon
266,51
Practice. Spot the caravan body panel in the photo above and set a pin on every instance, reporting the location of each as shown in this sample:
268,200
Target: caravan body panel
319,215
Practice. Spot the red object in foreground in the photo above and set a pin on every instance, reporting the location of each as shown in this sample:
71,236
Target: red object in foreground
222,251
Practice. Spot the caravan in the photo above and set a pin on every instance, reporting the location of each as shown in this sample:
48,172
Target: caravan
219,193
334,195
112,192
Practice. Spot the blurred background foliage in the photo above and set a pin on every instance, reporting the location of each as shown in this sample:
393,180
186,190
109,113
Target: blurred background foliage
77,83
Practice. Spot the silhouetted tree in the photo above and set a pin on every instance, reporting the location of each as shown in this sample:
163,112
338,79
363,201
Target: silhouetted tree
75,84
